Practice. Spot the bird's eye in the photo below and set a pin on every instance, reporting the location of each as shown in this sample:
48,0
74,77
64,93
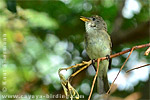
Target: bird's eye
93,19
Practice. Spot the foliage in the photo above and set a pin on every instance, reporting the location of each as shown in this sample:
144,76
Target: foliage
45,35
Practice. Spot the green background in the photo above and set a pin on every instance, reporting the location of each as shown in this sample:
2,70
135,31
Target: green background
45,35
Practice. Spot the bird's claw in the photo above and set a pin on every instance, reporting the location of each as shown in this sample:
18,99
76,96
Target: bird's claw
108,57
93,63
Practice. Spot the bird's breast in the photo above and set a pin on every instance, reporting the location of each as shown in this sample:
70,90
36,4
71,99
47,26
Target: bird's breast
97,45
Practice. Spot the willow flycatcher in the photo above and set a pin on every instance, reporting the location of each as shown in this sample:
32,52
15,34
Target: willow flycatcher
98,44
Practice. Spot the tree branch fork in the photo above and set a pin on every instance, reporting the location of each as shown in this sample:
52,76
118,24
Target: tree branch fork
71,92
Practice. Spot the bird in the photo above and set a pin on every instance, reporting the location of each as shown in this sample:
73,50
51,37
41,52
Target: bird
98,44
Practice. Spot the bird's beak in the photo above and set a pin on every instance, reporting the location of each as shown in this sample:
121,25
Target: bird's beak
85,19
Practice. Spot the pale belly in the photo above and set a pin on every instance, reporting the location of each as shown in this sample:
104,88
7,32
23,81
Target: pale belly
98,44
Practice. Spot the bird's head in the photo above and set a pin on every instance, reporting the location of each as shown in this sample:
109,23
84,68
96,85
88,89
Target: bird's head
94,23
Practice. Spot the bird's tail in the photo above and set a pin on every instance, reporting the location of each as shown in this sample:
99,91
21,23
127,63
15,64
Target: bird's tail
102,84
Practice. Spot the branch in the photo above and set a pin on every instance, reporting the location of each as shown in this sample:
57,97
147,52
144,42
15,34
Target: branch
98,61
120,70
125,51
137,68
70,91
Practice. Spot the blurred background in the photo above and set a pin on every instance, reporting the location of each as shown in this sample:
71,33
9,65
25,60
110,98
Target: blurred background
37,37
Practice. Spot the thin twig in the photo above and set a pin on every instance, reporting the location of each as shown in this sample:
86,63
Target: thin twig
128,50
120,70
101,59
137,68
98,61
74,74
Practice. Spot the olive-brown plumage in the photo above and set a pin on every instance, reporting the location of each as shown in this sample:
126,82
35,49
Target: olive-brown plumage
98,44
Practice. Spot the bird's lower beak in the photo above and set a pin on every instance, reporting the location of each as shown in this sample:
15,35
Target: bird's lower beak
85,19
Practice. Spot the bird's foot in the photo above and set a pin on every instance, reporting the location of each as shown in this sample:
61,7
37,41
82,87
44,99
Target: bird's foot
93,63
108,57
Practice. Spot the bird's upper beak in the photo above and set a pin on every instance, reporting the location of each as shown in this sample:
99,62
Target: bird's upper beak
85,19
